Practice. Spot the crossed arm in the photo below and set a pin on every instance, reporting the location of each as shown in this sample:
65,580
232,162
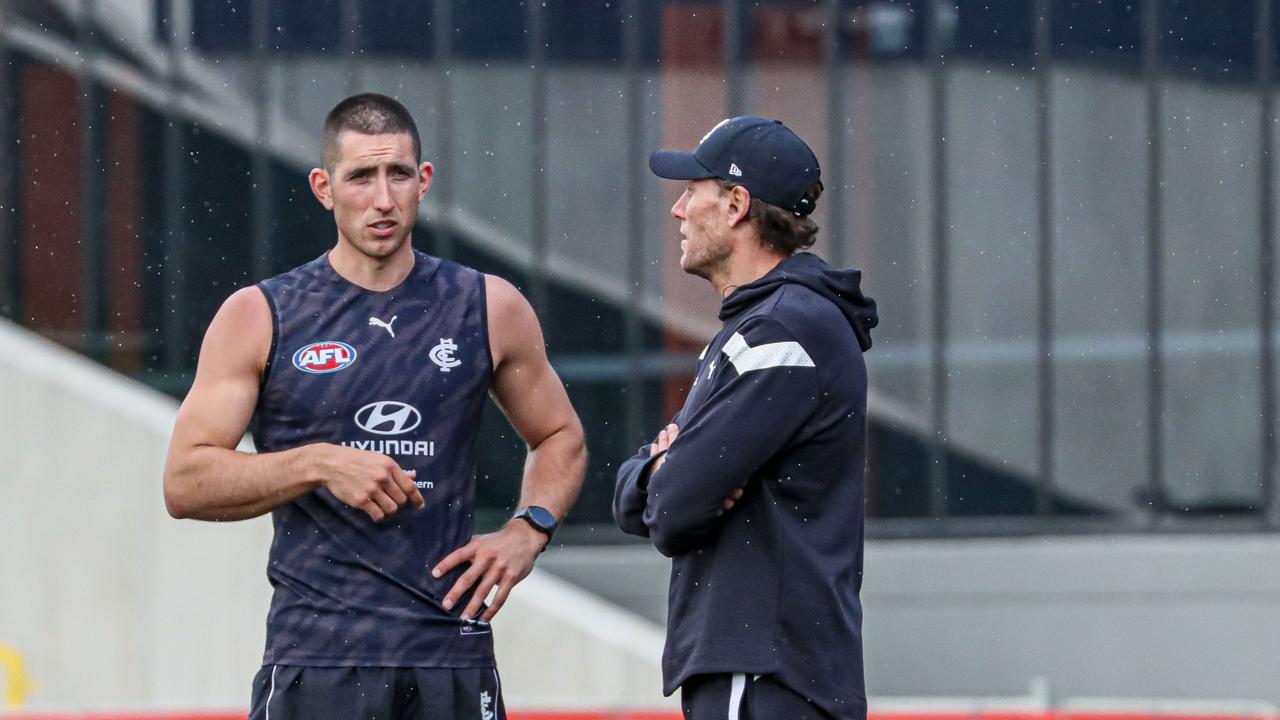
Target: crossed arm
673,491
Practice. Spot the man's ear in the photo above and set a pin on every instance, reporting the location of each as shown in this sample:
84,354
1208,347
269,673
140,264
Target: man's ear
319,180
425,172
739,205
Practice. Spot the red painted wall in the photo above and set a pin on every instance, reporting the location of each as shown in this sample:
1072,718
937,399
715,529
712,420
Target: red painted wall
49,202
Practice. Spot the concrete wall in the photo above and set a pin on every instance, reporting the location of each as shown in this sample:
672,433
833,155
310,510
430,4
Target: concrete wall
1173,617
109,600
112,604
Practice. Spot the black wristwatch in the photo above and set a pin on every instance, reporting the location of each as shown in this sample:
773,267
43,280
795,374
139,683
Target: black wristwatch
540,518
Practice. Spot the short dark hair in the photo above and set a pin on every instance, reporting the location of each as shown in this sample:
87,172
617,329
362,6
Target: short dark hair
782,230
367,114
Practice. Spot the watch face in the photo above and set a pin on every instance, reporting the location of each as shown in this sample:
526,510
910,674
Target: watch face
541,517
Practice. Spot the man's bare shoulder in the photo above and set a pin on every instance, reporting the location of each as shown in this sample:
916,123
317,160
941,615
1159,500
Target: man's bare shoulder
513,326
501,294
242,328
246,312
247,302
508,308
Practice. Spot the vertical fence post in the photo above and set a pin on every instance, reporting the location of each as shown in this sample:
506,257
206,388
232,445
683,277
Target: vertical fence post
541,244
1044,259
263,261
636,251
10,304
92,188
938,489
735,100
839,241
1263,49
442,156
351,43
1155,264
175,183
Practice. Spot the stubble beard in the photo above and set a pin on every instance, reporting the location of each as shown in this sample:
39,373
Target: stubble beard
379,250
376,249
707,261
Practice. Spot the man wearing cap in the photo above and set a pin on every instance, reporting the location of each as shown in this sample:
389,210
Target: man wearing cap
755,490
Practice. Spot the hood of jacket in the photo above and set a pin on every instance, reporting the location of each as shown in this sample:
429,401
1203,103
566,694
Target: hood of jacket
840,286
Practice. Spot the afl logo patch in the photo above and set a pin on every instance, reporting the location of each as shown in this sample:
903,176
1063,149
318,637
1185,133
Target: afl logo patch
324,357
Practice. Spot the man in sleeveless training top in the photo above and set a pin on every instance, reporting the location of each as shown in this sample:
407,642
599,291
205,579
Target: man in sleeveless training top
755,490
365,372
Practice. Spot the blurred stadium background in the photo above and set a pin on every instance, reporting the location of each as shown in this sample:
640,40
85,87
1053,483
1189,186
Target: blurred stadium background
1066,209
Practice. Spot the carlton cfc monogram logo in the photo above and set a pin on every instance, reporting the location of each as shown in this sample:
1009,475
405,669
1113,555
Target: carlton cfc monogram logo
442,355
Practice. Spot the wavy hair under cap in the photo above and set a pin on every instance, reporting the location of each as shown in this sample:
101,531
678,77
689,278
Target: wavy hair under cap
779,229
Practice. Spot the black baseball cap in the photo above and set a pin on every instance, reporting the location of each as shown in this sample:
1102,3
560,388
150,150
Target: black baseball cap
763,155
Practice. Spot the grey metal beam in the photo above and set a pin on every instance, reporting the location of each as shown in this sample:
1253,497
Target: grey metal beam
938,116
1263,48
1155,265
1044,255
647,365
839,243
1062,525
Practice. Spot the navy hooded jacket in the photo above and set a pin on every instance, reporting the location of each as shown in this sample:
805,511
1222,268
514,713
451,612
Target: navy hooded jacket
778,408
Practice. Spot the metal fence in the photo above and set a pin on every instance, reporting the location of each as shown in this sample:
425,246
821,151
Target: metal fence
1064,207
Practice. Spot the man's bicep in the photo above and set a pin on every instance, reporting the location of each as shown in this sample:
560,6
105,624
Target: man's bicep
215,412
220,404
532,397
525,385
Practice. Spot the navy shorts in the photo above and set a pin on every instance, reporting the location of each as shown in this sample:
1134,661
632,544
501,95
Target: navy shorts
744,697
292,692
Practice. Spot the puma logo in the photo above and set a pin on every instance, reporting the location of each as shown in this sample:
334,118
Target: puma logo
384,325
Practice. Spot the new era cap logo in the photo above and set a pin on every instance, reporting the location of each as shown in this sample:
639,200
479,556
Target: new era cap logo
735,170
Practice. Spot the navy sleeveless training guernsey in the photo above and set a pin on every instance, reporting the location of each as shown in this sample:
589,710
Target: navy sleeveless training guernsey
405,373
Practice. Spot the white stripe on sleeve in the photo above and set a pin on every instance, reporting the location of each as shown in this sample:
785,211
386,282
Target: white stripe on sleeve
780,354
